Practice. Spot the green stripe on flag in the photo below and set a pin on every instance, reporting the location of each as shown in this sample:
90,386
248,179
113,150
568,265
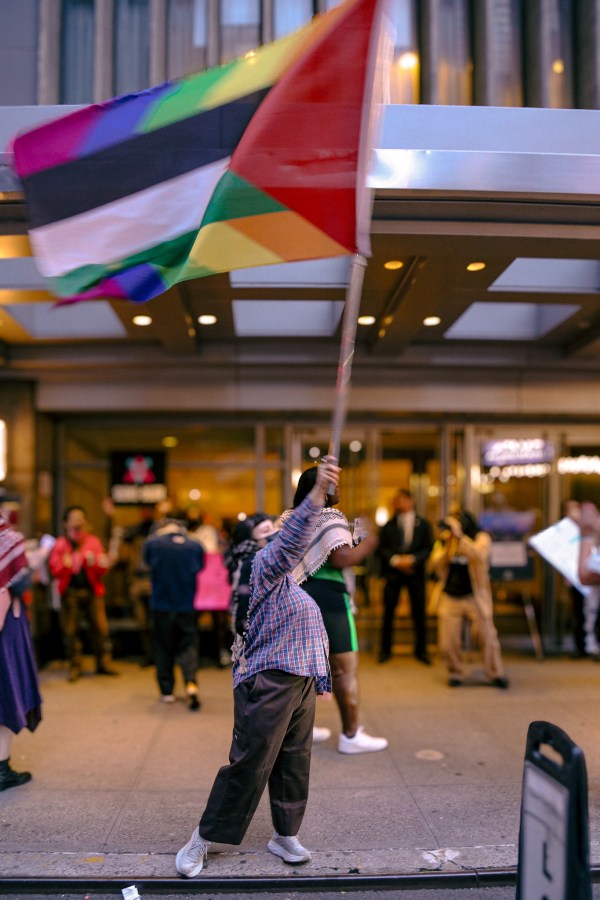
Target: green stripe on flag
169,257
236,198
187,100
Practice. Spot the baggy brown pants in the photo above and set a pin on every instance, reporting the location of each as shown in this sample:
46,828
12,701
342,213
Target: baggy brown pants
77,603
451,614
274,714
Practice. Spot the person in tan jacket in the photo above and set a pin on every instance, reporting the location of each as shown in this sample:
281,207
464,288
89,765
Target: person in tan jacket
460,558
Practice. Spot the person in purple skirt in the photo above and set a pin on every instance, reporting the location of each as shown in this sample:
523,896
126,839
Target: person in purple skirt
20,700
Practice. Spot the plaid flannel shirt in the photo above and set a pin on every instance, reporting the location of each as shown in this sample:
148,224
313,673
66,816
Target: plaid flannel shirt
285,627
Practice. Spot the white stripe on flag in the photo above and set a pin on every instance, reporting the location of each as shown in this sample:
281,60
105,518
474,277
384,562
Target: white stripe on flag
120,229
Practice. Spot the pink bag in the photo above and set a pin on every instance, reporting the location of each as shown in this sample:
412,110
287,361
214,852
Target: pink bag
213,590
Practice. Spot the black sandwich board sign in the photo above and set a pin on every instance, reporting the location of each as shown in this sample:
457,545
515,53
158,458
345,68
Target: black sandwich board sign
554,841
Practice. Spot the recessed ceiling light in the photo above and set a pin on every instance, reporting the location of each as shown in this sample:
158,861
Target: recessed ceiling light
558,66
207,320
169,441
355,446
393,264
429,321
195,494
475,267
314,452
142,321
366,320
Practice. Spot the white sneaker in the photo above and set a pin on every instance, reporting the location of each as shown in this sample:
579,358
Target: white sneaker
167,698
321,734
190,859
191,690
288,848
361,742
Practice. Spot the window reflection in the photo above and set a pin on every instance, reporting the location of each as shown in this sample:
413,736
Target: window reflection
555,53
404,86
447,38
131,45
186,37
288,15
77,52
240,27
498,53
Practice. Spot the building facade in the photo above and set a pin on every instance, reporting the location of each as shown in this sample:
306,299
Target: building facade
505,444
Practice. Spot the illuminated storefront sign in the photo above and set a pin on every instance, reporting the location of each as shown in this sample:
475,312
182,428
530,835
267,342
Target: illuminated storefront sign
529,470
579,465
138,477
517,452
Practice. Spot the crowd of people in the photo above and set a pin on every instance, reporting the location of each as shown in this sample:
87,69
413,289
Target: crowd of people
284,615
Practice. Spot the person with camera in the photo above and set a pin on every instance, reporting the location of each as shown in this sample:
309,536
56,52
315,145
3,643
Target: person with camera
460,559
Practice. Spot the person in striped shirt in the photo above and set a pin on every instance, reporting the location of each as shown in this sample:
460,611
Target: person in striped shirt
279,668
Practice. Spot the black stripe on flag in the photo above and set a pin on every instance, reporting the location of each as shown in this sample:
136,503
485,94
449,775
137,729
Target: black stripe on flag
137,163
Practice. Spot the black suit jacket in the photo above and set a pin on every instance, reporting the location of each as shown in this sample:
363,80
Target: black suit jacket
391,542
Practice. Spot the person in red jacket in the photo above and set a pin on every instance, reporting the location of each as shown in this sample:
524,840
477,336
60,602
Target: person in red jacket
78,563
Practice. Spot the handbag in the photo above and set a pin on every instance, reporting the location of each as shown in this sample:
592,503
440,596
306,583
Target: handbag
213,589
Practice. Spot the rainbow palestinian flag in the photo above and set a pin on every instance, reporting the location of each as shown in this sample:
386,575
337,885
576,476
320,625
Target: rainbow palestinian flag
259,161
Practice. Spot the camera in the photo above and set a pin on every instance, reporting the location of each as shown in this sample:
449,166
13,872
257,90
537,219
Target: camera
468,524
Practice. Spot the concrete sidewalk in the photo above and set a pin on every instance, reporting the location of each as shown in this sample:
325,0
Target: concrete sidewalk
120,779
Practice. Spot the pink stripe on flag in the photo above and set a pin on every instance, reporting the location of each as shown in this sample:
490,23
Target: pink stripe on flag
55,142
109,288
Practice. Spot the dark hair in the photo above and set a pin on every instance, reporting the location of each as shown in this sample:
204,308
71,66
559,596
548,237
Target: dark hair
405,493
71,509
243,530
468,523
306,483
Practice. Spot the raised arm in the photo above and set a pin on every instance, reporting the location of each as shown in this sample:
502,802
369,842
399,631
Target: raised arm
288,546
346,555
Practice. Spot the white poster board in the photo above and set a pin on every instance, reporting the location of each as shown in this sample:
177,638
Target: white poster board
559,545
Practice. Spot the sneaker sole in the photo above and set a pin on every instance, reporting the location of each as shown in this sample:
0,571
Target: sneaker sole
195,871
285,856
356,751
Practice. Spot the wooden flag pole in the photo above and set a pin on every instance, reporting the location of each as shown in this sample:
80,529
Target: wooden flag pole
344,371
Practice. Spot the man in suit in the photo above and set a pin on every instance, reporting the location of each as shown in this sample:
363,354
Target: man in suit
405,543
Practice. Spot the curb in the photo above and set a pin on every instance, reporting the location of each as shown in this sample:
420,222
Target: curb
150,886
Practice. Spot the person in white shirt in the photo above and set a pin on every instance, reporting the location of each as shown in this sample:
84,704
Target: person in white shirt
589,570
